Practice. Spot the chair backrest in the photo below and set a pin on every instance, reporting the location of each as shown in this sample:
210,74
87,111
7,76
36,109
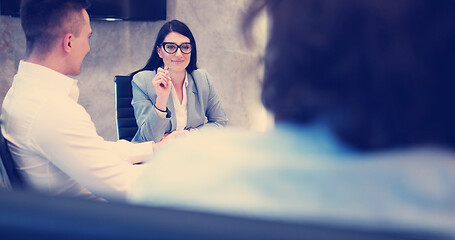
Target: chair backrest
126,121
11,177
27,215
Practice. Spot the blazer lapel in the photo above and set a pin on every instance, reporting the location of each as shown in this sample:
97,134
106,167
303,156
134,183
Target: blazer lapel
192,99
170,106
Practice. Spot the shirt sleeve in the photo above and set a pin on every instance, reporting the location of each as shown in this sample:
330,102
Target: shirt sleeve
131,152
151,126
160,114
65,135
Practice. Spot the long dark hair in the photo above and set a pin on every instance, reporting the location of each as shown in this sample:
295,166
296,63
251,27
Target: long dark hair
177,26
379,73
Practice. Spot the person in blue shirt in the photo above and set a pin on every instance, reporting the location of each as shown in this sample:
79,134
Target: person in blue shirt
170,93
362,95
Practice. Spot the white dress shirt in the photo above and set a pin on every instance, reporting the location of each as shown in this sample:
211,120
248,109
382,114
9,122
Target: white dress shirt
54,141
181,108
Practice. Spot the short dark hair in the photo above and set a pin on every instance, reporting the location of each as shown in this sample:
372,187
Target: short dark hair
43,21
379,73
154,62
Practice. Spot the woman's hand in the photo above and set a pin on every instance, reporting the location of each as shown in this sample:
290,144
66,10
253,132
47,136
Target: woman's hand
162,83
175,134
169,137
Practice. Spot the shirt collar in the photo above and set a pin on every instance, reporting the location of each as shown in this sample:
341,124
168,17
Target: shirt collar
185,83
50,79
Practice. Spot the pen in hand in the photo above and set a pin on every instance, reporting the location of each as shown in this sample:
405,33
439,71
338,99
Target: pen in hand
166,72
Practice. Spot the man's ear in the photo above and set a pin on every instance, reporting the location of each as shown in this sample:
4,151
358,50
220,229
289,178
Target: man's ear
67,41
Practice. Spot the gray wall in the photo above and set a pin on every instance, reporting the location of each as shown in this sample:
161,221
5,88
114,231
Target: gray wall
121,47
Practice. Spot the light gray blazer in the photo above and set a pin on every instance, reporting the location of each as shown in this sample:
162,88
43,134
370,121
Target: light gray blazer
204,106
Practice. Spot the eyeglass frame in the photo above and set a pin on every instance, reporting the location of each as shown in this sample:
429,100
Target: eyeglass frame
178,47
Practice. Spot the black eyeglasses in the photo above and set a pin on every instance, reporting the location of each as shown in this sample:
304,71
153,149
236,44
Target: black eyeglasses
172,48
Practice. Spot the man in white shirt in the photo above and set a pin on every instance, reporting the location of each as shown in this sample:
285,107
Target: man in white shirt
52,138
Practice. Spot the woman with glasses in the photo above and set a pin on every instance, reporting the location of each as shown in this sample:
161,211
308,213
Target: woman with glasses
362,94
170,93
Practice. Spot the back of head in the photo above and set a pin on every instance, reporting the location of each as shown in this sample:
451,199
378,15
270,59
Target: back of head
43,21
377,72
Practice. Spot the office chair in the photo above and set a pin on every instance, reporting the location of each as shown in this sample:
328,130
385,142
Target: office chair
11,177
126,121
